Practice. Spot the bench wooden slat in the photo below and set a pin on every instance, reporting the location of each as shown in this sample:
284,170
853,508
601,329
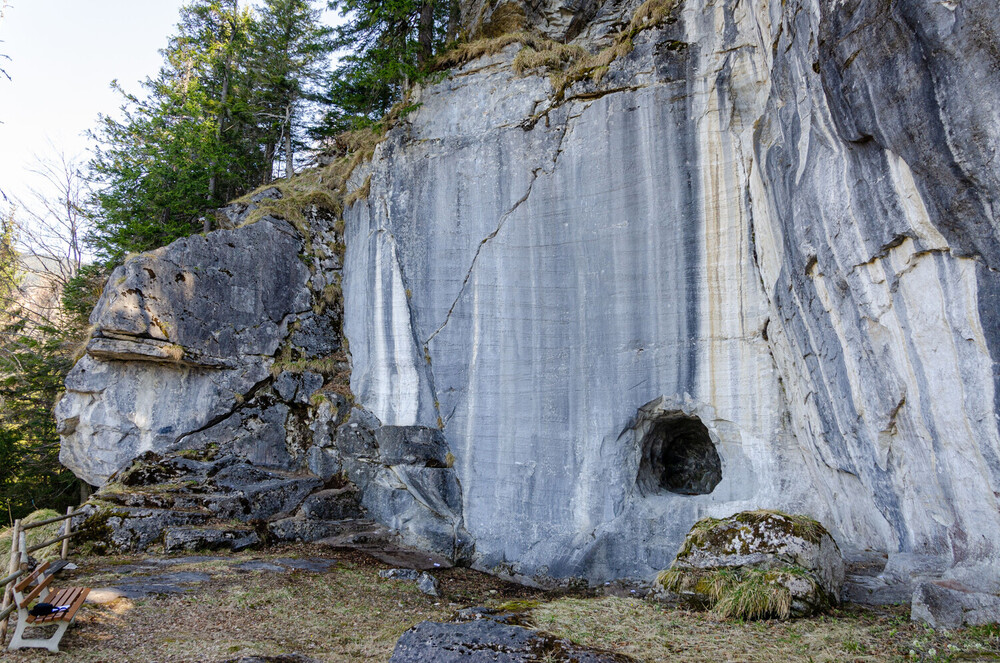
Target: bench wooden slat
75,601
33,594
30,578
77,604
70,596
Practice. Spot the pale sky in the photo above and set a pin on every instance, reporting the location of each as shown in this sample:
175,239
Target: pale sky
64,54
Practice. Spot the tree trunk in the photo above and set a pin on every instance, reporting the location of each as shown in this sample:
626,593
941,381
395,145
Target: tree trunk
425,33
223,113
267,167
454,17
289,162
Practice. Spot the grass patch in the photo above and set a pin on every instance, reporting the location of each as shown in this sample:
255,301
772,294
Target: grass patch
347,613
651,632
351,614
34,536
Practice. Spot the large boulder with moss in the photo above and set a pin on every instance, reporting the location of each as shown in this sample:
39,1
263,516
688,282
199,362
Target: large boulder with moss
757,564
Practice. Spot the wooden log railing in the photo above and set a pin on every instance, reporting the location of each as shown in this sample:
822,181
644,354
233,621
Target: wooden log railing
14,567
19,551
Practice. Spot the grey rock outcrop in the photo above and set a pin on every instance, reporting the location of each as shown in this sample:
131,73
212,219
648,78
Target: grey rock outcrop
183,336
949,607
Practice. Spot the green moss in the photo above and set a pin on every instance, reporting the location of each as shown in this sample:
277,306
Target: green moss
518,606
800,526
95,533
328,366
206,454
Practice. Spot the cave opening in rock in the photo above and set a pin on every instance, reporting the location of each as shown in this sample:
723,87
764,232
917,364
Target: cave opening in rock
678,456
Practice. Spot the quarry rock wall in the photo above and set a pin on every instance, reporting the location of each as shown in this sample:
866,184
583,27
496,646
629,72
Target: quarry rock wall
777,218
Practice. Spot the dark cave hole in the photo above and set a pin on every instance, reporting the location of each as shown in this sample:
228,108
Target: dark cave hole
678,457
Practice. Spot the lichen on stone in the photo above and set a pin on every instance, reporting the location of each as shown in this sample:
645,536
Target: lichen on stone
744,532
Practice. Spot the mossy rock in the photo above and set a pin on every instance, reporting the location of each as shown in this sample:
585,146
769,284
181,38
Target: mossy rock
757,564
146,470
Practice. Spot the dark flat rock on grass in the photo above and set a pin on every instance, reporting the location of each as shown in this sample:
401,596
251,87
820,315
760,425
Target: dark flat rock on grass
168,583
286,564
174,561
284,658
485,641
260,565
410,559
313,565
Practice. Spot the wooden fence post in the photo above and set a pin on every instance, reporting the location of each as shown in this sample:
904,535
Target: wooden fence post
66,531
13,566
23,550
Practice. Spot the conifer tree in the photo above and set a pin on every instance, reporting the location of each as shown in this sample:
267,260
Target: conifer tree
389,44
230,98
290,57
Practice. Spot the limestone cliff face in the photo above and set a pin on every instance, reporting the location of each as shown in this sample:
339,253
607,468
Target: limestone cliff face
754,267
779,218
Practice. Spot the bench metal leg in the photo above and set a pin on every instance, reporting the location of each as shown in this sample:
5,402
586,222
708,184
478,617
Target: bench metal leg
51,643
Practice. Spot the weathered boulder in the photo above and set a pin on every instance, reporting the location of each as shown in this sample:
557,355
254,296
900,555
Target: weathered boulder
758,564
183,336
488,641
949,605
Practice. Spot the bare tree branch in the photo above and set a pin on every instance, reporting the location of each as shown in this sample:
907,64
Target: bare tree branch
48,226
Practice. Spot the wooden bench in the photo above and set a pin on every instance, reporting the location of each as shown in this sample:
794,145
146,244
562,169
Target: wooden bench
72,597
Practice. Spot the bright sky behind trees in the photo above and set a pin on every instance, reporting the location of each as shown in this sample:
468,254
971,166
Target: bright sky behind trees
64,54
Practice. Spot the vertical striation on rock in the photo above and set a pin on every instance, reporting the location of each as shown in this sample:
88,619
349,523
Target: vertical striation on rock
775,218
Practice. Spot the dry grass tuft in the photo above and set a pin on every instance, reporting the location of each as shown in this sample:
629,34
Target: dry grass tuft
548,55
565,63
361,193
508,17
473,50
741,594
752,595
650,13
